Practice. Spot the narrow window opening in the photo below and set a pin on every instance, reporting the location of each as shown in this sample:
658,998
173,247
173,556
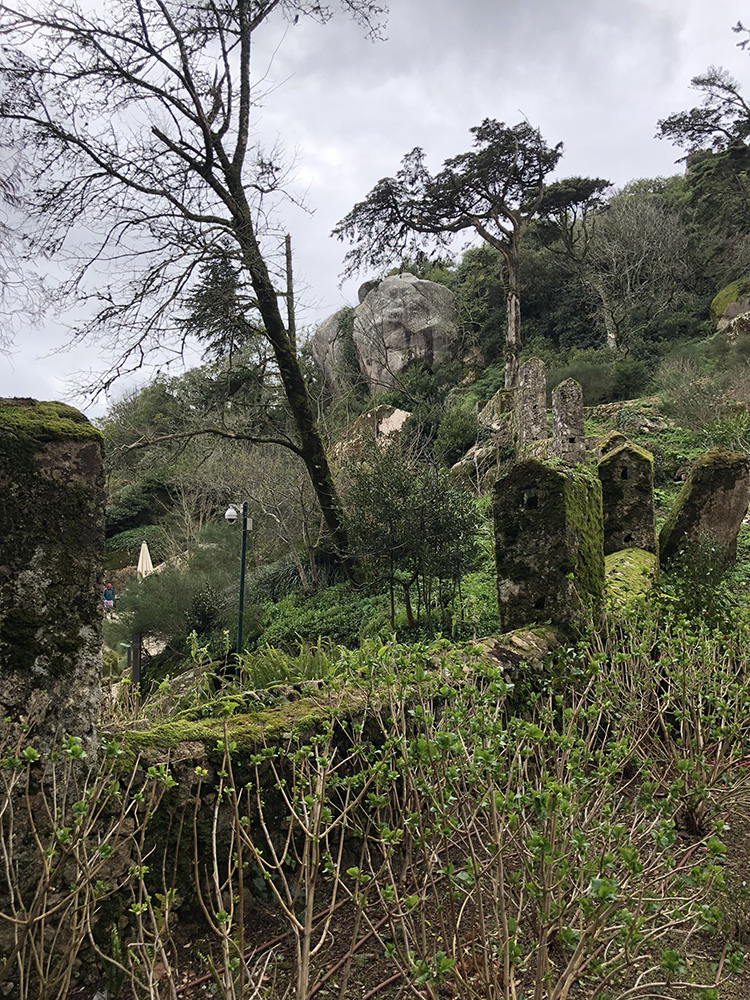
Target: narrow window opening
623,473
628,538
539,605
571,440
532,502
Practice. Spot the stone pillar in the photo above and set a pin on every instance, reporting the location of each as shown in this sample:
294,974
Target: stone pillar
531,403
51,547
627,478
710,506
548,544
568,436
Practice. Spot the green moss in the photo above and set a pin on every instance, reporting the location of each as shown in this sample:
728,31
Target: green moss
46,421
249,731
731,293
611,441
549,542
629,575
714,471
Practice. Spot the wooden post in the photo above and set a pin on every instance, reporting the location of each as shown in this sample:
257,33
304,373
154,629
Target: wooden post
291,323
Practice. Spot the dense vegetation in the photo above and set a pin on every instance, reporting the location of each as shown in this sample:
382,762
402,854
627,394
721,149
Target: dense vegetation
370,768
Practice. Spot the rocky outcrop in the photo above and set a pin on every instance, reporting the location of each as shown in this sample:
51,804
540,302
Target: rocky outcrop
398,321
730,303
333,348
51,548
710,506
401,321
375,425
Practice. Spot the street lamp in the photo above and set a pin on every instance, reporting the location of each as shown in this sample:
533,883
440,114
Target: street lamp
231,517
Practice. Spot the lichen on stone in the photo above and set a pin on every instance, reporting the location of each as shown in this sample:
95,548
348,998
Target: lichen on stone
709,507
629,575
548,543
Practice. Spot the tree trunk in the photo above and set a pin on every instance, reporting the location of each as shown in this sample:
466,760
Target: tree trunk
610,326
310,442
513,315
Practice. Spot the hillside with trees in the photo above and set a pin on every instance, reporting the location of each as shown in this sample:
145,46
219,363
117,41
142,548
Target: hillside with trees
355,780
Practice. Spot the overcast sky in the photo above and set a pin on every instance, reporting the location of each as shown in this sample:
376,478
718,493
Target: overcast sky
594,74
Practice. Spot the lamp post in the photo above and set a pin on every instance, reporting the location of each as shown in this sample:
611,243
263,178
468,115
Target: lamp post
231,516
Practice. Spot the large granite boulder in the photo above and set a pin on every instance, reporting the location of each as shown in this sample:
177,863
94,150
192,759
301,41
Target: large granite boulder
710,506
400,320
51,549
333,348
730,303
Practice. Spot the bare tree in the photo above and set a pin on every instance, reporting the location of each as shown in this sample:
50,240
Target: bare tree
138,120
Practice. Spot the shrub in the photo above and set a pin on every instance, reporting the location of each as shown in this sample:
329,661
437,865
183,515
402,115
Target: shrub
456,434
338,613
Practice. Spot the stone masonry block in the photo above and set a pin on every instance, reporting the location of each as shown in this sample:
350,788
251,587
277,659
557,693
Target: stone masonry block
531,403
51,547
627,478
710,506
568,434
548,543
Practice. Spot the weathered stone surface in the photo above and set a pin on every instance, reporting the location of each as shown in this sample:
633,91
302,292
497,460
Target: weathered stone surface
568,435
629,575
381,422
548,543
627,478
365,288
732,301
333,348
470,472
710,506
501,403
51,547
531,403
610,441
402,320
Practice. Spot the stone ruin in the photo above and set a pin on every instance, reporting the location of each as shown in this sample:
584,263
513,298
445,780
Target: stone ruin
568,442
561,530
627,477
531,404
51,549
568,436
548,543
709,508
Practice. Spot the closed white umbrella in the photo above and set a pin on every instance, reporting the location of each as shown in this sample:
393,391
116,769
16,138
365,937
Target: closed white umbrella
145,566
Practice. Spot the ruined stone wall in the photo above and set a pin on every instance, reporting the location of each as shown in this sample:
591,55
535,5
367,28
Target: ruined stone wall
627,477
51,547
548,544
710,506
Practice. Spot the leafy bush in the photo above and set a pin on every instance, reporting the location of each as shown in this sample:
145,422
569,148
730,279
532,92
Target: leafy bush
456,434
268,667
604,378
128,543
338,613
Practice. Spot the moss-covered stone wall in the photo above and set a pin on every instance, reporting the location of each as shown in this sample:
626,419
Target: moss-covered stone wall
548,543
710,506
51,547
627,477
